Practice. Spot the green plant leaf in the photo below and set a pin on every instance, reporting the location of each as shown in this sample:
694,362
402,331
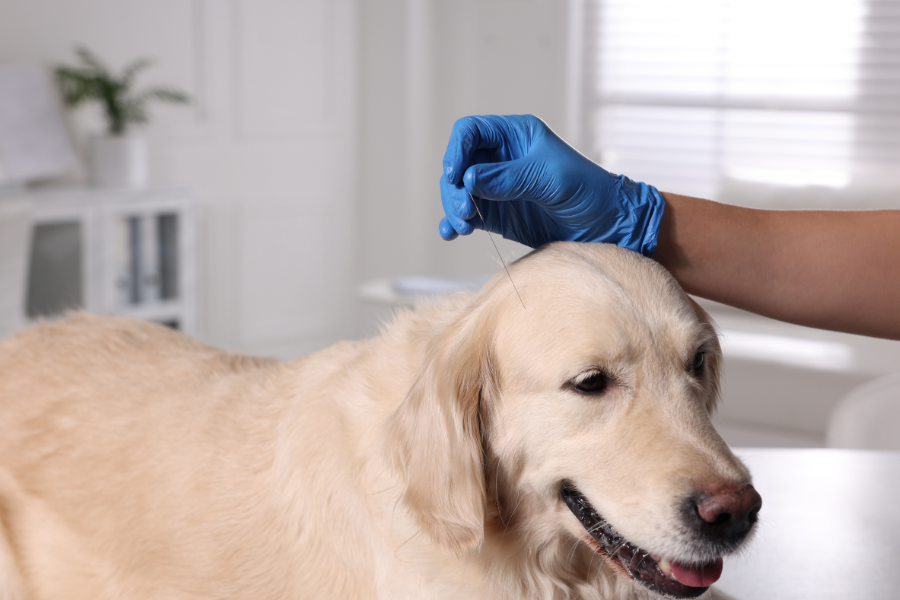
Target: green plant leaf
76,87
129,73
134,112
92,81
91,61
164,94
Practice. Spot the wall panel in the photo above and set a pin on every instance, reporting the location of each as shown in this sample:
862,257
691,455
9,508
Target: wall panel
284,67
286,278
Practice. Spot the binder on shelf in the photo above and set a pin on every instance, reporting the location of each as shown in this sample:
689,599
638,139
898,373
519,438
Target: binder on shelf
167,228
133,258
122,261
149,260
146,259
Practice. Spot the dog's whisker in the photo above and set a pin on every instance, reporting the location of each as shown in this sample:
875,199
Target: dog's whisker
385,490
594,528
516,507
497,492
618,547
400,547
631,564
572,551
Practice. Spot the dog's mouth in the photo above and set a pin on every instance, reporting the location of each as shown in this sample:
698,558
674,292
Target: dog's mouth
664,577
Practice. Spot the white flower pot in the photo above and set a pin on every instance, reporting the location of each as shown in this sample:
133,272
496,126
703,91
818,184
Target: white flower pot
119,161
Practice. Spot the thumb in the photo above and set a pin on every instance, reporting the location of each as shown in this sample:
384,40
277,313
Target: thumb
510,180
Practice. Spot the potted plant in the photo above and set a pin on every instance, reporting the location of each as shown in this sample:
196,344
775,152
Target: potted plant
119,157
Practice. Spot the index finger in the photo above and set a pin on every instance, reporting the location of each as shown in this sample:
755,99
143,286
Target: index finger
469,135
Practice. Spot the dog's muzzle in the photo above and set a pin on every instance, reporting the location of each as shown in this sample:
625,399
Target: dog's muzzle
664,577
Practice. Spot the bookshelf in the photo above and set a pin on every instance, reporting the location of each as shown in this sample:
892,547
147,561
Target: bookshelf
121,252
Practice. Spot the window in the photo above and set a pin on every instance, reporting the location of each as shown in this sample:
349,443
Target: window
684,94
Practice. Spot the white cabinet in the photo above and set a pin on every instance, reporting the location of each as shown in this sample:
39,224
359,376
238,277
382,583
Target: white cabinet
121,252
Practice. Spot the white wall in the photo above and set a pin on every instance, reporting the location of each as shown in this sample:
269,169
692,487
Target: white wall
425,63
315,139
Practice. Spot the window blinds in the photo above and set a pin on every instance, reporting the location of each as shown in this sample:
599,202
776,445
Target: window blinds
683,94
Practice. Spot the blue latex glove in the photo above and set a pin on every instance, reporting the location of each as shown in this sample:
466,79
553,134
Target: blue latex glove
542,189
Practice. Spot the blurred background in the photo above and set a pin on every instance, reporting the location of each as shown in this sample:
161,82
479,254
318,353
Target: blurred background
293,201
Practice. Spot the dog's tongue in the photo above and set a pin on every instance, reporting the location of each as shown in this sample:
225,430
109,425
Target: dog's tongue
697,576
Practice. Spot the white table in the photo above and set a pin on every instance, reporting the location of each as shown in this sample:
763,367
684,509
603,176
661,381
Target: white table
829,527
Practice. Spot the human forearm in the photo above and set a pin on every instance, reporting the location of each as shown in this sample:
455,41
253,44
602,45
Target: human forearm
836,270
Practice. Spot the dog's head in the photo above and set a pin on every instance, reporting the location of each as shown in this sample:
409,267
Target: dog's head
578,426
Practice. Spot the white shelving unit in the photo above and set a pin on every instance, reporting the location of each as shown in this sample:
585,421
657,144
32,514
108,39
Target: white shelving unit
122,252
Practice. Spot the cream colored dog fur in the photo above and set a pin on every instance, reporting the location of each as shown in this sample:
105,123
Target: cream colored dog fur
425,463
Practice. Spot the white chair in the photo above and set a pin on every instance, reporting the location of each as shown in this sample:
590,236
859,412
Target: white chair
868,417
15,240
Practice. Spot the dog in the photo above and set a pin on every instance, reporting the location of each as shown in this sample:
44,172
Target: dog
480,447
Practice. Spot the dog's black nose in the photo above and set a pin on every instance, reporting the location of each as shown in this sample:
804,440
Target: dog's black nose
728,513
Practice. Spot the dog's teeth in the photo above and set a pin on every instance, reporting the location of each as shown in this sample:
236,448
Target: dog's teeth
665,566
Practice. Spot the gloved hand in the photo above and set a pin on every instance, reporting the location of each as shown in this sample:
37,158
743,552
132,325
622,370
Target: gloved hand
540,189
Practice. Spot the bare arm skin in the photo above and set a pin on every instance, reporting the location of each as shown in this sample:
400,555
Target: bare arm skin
837,270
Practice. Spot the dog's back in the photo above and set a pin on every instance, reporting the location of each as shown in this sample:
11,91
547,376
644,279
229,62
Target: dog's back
131,454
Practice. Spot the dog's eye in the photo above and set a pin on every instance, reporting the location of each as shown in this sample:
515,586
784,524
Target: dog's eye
593,382
699,360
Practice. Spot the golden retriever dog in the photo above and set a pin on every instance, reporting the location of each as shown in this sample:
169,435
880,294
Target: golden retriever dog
476,449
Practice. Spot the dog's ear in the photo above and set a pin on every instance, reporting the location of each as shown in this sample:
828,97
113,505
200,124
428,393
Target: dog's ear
434,436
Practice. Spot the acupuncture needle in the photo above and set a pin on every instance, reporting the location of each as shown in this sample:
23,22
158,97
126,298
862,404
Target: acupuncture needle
502,262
